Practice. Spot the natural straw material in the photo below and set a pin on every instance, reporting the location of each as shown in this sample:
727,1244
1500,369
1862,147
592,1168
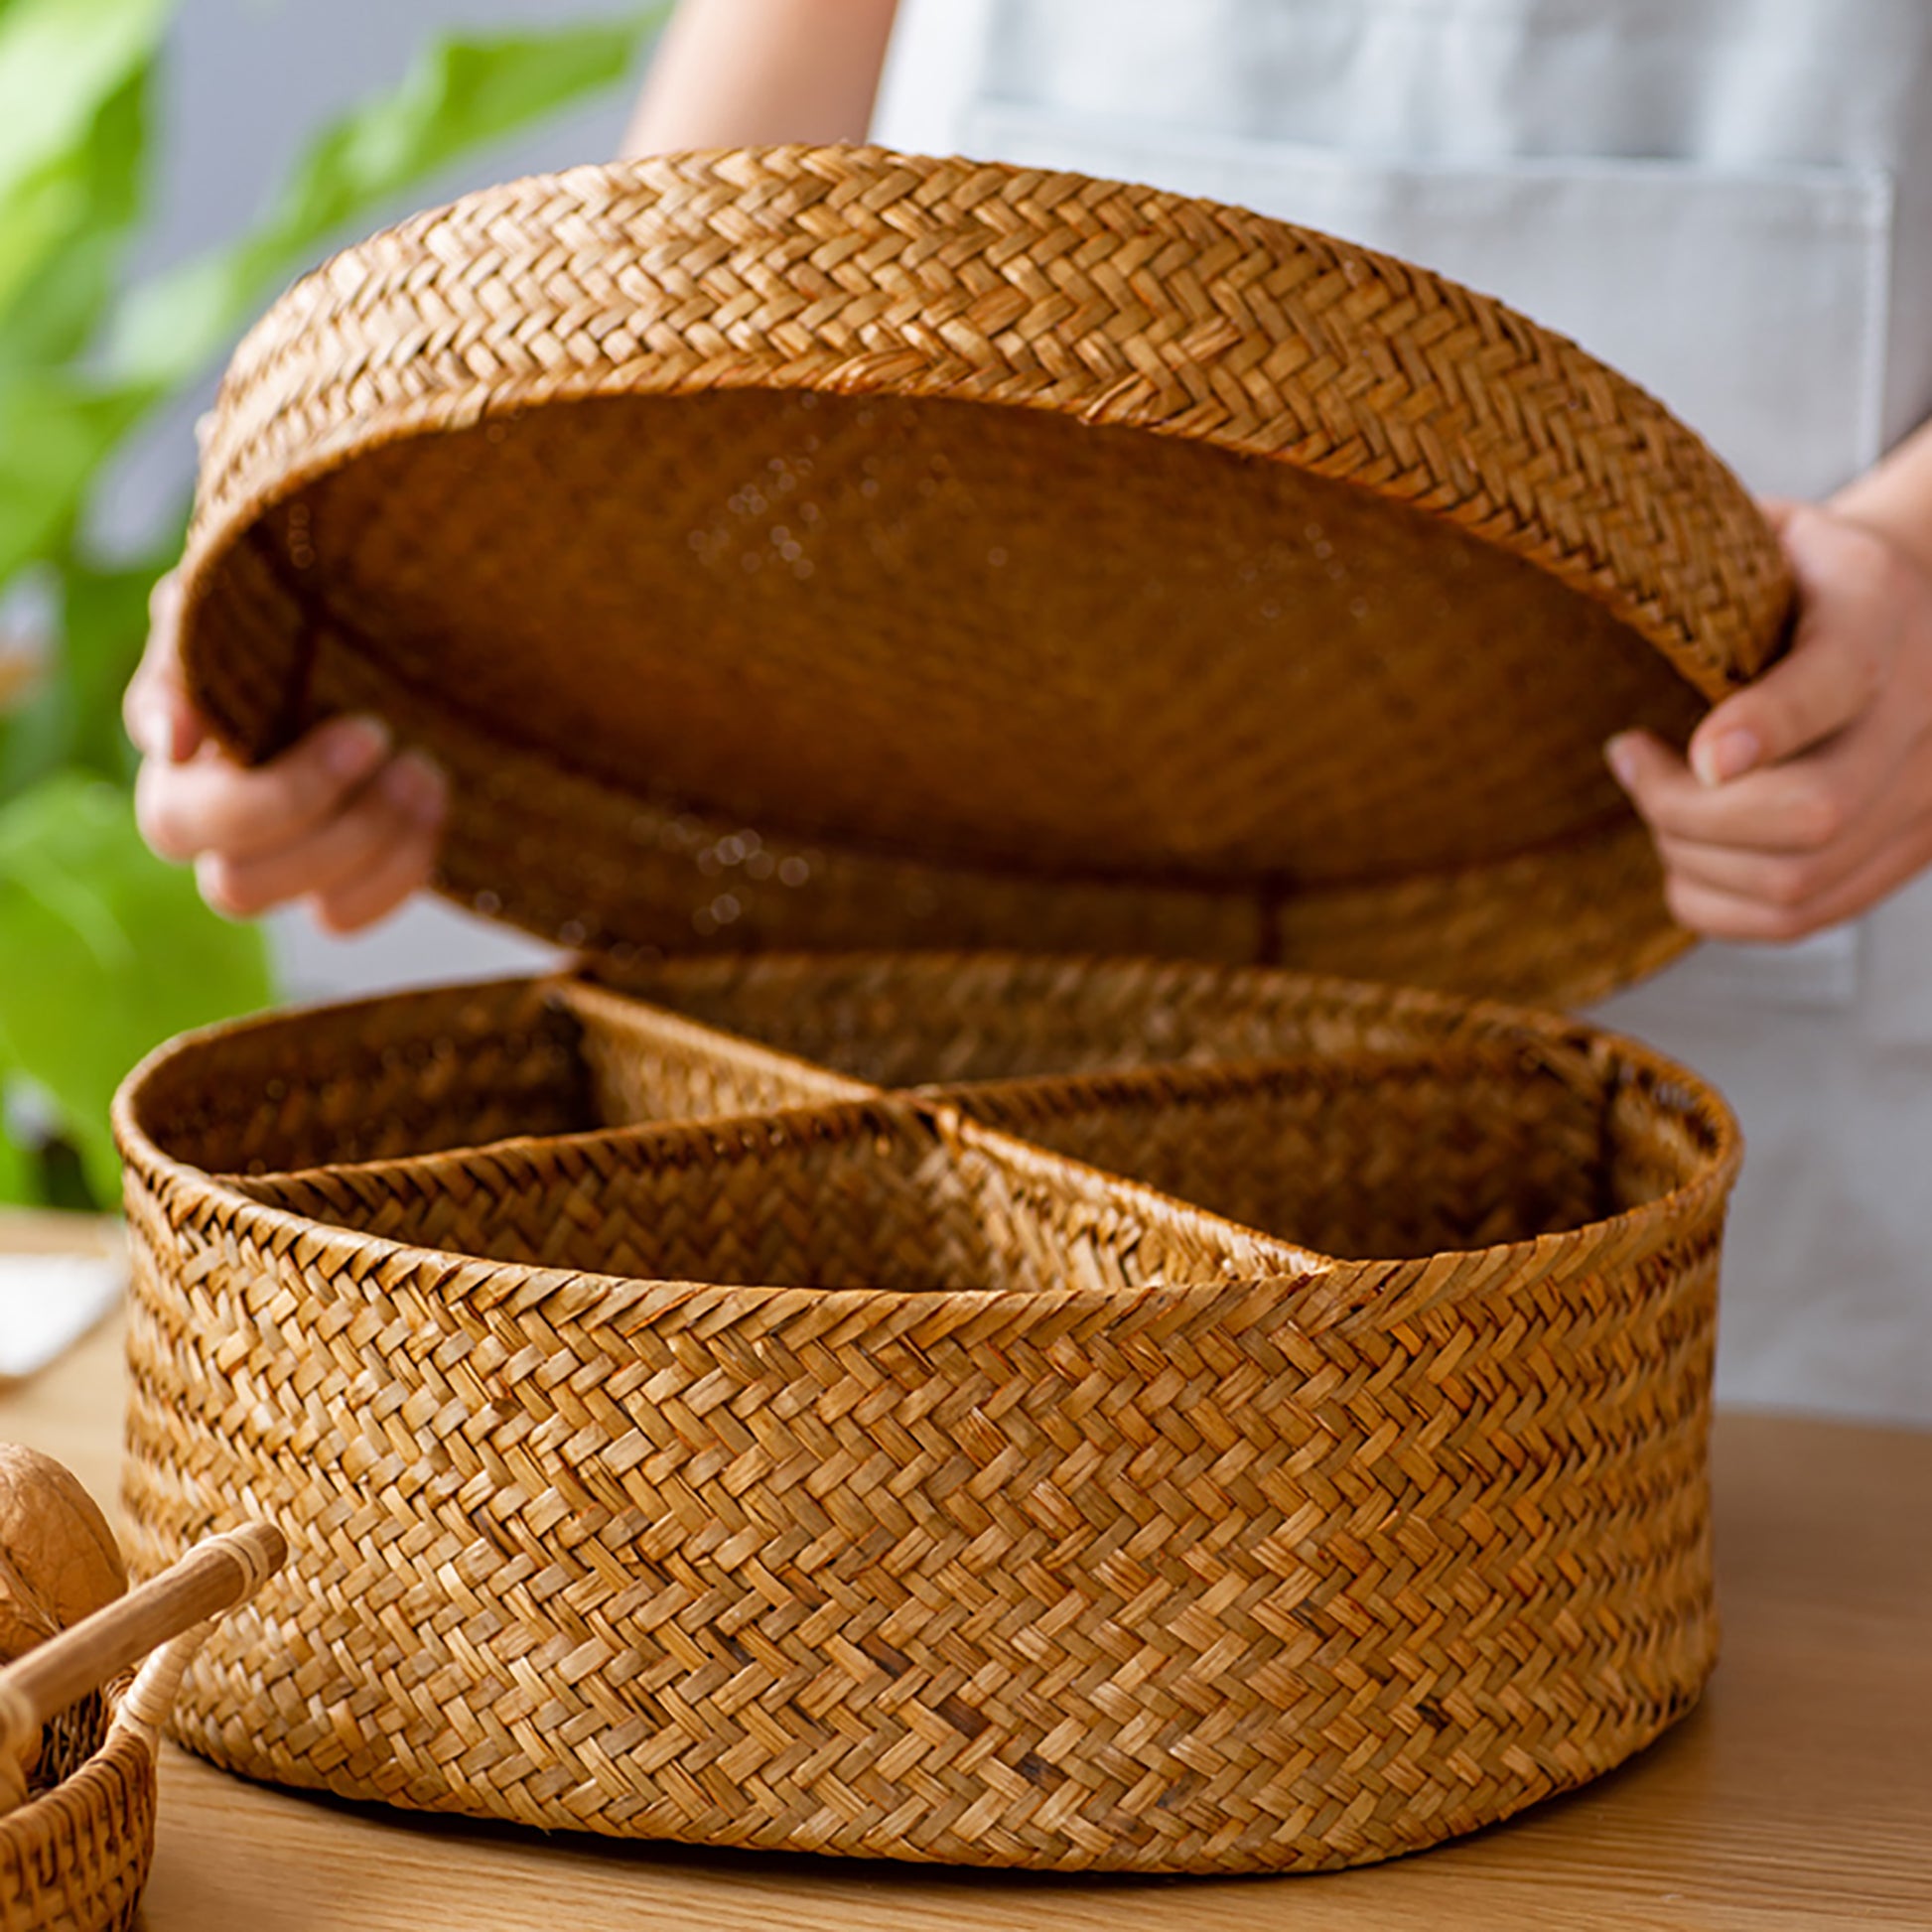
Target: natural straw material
78,1856
74,1857
826,547
858,1470
1017,1410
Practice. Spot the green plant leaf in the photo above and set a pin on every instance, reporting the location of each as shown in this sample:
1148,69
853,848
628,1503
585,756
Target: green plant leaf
73,717
462,94
19,1172
68,230
105,952
73,136
103,630
57,429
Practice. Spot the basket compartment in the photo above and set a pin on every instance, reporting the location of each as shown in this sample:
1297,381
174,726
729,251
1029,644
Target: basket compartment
1382,1153
900,1019
461,1067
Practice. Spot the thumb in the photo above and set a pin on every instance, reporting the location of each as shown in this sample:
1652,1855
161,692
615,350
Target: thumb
160,718
1834,667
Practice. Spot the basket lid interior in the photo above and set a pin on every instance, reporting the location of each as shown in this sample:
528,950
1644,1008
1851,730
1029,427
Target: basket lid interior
827,549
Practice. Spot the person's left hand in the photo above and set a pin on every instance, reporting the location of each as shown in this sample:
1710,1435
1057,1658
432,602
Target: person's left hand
1806,798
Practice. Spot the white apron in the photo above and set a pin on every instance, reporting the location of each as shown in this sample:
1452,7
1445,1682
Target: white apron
1731,202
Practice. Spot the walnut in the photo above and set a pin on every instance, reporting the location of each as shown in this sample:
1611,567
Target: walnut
58,1560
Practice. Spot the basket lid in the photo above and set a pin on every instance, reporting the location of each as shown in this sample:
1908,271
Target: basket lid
824,548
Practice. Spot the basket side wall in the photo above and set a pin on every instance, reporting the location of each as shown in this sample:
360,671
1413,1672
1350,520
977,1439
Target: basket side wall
75,1860
1222,1578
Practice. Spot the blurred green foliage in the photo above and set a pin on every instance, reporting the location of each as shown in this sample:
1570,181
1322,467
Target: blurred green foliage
104,950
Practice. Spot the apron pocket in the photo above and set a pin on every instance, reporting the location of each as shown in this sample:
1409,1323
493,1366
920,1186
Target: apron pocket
1750,300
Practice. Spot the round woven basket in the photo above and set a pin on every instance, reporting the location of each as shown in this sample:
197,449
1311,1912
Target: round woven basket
831,548
74,1856
1131,1417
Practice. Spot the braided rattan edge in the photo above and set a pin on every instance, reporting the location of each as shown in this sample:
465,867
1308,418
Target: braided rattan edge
1707,586
75,1857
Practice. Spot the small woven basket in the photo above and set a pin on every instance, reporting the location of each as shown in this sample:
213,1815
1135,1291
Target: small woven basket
74,1856
78,1856
947,1404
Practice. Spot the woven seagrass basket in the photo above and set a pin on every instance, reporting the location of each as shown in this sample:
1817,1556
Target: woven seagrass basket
74,1856
965,1402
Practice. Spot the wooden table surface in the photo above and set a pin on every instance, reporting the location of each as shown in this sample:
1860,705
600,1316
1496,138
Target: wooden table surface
1799,1794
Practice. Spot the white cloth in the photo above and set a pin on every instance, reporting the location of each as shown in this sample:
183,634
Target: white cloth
48,1302
1731,202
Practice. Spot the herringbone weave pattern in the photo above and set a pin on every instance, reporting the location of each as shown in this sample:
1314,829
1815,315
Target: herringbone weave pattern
868,1471
824,548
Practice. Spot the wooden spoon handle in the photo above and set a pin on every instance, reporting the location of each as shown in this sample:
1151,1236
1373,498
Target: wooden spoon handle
216,1574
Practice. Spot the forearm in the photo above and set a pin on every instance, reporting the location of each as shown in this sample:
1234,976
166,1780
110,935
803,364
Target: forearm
1895,497
753,73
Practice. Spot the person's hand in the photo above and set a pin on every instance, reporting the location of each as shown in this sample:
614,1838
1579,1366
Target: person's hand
1807,796
341,819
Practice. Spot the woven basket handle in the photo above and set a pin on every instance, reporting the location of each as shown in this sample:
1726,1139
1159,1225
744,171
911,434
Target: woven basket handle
169,1616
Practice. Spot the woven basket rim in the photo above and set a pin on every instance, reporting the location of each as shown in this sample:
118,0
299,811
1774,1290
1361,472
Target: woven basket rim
1354,1283
120,1744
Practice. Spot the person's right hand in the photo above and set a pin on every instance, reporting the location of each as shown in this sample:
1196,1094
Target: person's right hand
341,819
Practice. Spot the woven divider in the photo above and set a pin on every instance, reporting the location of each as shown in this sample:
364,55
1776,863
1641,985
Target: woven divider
871,1472
647,1064
871,1196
